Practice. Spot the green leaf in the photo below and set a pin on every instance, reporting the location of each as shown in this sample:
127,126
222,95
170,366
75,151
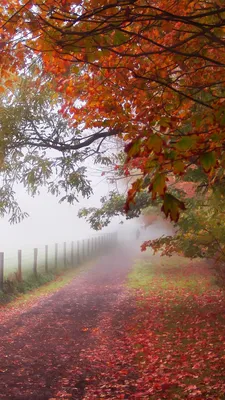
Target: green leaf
208,160
220,116
155,143
186,143
132,149
198,121
170,155
178,167
164,122
172,206
158,185
119,38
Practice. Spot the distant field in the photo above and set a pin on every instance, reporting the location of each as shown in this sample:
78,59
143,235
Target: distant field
67,255
11,260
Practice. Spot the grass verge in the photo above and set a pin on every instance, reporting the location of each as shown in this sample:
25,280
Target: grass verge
178,332
34,287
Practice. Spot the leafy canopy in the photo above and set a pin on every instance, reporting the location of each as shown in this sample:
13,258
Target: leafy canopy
150,72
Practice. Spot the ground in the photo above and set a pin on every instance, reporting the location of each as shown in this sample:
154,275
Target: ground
153,331
43,344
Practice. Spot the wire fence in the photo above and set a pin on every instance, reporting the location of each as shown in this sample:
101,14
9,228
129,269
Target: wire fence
51,258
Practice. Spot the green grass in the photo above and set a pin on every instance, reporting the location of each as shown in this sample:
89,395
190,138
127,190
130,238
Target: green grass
11,268
161,273
42,285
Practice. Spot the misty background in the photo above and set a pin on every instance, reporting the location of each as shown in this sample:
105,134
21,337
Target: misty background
52,222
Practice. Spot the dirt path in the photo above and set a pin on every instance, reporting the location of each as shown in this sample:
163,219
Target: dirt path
41,349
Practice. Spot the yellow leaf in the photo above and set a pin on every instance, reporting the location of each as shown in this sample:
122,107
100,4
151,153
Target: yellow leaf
158,185
178,167
155,143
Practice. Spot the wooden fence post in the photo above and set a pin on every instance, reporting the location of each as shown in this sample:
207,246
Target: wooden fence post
78,252
72,254
1,270
19,274
46,258
35,262
56,255
64,257
83,251
88,248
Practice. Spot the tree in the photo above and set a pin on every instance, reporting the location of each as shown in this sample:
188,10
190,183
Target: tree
39,147
151,73
200,231
113,206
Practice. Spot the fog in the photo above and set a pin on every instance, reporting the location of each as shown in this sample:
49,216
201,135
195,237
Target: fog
51,222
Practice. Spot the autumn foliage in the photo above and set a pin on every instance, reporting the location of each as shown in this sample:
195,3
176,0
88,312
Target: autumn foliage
151,73
172,344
